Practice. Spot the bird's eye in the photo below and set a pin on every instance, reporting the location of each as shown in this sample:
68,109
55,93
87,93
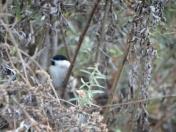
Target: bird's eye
52,62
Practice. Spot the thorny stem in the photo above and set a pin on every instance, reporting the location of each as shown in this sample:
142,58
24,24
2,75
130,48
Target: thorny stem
81,38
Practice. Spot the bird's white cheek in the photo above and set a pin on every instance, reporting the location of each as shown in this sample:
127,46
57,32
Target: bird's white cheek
64,64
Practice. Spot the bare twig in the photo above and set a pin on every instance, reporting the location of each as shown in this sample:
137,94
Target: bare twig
54,37
117,77
139,101
102,32
65,43
5,14
50,82
168,114
18,72
32,59
45,55
18,51
33,122
81,38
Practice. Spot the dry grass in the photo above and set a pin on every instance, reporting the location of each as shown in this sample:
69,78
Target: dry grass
35,108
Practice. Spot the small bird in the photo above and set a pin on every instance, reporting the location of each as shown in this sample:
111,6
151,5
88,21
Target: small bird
58,70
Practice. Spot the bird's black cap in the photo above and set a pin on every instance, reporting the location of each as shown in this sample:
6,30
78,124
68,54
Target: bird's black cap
57,58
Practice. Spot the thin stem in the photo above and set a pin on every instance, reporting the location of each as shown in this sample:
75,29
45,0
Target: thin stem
102,32
117,78
18,51
65,43
81,38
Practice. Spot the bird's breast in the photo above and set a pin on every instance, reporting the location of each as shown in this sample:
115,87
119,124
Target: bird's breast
58,75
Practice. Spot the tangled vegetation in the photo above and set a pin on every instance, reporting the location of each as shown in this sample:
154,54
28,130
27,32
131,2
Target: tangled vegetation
122,72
